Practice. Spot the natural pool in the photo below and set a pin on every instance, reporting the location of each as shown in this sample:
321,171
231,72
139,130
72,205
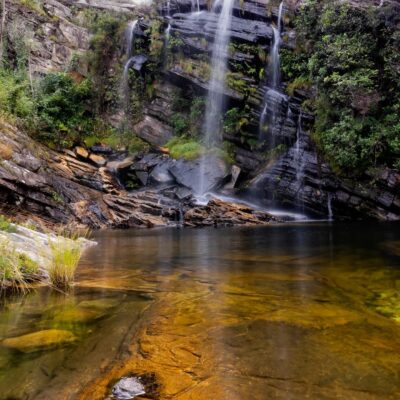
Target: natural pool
294,311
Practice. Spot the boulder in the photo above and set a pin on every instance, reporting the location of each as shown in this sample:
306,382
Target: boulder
202,175
128,388
153,131
81,152
98,160
161,173
120,165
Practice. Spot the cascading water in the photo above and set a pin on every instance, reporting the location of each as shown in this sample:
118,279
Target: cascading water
298,159
329,206
195,5
130,34
216,85
269,112
275,57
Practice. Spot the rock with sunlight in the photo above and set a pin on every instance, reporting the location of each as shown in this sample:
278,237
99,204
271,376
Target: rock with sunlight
39,341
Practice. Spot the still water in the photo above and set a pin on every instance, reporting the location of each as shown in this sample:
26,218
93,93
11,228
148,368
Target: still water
295,311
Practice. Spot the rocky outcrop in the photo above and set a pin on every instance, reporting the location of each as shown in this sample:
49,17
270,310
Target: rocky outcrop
300,178
55,36
52,187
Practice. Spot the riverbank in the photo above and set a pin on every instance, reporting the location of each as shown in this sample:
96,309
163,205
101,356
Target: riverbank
28,256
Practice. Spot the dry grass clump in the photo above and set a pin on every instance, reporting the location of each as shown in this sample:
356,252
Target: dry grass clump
6,152
66,252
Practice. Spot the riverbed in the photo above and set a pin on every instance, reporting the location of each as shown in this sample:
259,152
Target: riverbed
287,311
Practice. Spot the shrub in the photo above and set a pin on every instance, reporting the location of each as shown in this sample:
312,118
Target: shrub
63,109
301,82
15,96
179,124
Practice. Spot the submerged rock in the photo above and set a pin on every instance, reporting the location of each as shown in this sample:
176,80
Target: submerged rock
128,388
41,340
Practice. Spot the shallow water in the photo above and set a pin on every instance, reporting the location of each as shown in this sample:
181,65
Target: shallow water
295,311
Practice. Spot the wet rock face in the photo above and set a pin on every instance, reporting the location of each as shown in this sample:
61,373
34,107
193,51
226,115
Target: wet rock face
299,177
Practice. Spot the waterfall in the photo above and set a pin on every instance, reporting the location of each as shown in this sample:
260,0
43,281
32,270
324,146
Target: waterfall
216,85
130,34
274,78
274,56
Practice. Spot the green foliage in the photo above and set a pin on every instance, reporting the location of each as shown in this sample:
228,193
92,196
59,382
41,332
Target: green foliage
107,29
187,148
15,96
350,55
235,120
6,225
62,109
301,82
180,124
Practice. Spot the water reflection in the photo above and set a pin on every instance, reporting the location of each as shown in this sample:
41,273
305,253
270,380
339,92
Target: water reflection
283,312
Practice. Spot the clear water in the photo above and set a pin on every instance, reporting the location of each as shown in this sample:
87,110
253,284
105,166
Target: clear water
293,311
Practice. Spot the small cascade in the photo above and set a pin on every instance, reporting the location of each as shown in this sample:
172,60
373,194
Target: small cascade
195,6
130,35
167,33
269,112
329,206
216,85
299,161
181,221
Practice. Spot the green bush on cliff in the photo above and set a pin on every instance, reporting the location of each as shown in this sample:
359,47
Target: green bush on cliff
63,109
15,94
349,54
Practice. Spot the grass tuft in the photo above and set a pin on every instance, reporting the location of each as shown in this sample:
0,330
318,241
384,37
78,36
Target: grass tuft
66,254
6,225
189,149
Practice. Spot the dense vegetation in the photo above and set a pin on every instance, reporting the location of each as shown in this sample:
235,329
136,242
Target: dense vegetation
352,57
66,108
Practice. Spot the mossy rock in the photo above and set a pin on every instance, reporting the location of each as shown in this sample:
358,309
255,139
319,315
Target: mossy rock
41,340
101,304
78,315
